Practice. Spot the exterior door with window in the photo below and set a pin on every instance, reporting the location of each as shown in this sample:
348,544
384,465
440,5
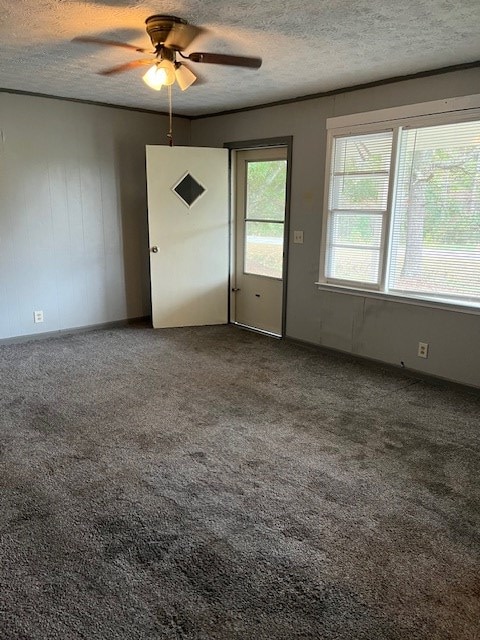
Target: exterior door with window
257,283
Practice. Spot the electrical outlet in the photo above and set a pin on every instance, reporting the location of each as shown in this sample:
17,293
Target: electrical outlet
298,237
38,316
422,350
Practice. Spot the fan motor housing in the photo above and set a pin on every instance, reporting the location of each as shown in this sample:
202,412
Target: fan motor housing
159,26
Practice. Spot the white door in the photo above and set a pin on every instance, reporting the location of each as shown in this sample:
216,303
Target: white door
188,230
257,285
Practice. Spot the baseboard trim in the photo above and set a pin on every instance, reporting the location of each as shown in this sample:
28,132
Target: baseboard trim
372,362
74,330
420,376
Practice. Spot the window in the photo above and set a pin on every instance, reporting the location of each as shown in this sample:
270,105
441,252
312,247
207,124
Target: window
403,214
265,217
358,206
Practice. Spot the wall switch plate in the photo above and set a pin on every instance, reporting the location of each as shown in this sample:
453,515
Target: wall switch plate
298,237
38,316
422,350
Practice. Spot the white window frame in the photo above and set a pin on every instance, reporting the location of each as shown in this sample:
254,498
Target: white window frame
439,112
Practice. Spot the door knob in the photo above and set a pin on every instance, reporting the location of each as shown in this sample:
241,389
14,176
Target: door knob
235,289
154,249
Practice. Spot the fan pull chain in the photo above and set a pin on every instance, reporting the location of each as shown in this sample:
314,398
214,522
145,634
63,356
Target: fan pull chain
170,118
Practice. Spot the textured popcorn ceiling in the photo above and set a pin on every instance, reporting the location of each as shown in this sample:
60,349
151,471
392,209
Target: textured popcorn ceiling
307,46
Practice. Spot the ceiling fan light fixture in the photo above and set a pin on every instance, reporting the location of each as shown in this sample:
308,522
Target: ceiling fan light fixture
160,74
168,68
170,37
155,78
184,76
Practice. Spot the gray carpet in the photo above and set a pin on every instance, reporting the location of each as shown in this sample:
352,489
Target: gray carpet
212,483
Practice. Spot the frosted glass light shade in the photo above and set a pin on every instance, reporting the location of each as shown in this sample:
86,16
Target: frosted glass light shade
169,68
155,78
184,76
162,73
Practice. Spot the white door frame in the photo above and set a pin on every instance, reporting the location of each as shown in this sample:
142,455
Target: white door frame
285,141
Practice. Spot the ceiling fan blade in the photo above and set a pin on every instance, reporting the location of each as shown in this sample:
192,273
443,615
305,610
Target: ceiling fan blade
221,58
108,43
127,66
181,35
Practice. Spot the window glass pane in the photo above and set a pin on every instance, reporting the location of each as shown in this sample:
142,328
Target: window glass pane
356,229
264,248
366,153
352,263
368,192
359,182
266,190
436,231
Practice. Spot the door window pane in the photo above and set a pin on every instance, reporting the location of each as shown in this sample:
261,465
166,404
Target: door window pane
266,190
264,249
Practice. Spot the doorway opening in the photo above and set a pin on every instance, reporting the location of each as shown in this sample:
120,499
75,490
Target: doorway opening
260,231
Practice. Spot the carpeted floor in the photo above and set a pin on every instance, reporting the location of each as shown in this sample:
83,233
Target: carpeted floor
212,483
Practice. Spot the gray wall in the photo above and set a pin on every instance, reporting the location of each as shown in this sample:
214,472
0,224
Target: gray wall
73,225
386,331
73,215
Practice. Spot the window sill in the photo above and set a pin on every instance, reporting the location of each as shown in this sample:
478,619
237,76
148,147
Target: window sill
444,305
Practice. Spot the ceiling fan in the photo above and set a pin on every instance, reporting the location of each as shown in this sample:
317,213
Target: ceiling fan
170,36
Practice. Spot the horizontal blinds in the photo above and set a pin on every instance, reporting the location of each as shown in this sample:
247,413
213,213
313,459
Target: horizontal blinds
435,247
359,184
